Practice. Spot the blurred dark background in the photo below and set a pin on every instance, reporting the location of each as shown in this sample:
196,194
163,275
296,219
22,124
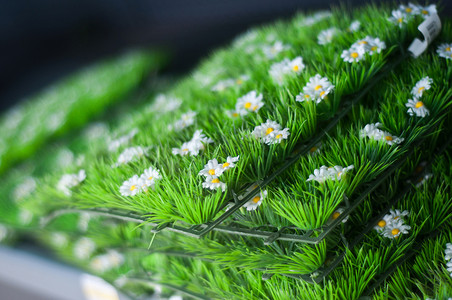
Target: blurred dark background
41,41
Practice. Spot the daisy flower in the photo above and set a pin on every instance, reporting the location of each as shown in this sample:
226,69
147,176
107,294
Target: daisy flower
427,11
58,239
316,89
354,54
222,85
83,248
448,252
381,225
115,144
423,179
164,103
270,132
286,67
315,149
398,18
273,50
148,178
449,268
68,181
445,50
24,189
296,65
337,171
395,229
250,102
391,139
241,79
212,168
397,214
336,215
421,86
410,9
230,162
131,187
107,261
25,216
371,45
213,183
83,221
373,132
326,36
254,203
232,113
417,107
130,154
354,26
194,146
320,175
187,119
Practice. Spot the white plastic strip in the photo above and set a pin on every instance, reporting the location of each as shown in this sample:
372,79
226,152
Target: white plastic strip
430,28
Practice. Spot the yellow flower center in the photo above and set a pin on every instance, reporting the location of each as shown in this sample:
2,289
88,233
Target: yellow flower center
256,199
336,215
255,107
363,43
225,165
296,68
313,149
395,231
235,114
448,49
400,20
318,87
408,10
373,48
425,12
307,96
354,54
269,130
150,177
382,223
322,93
185,150
419,104
212,171
388,138
279,136
247,105
132,188
215,180
239,81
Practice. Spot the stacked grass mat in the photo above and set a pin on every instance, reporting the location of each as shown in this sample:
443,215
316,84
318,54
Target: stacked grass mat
310,159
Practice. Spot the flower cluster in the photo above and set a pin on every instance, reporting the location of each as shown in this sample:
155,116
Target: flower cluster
354,26
393,225
374,132
331,173
407,12
141,183
194,146
105,262
358,49
316,89
445,50
270,132
415,105
116,143
254,203
68,181
286,67
250,102
448,257
326,36
212,170
230,82
130,154
187,119
271,51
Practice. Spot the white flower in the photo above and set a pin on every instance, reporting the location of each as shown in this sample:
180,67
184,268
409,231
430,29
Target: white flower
130,154
69,181
286,67
149,177
427,11
194,146
316,89
24,189
222,85
372,131
317,17
417,107
391,139
381,225
270,132
25,216
353,54
83,248
423,179
232,113
212,168
131,186
395,229
83,221
296,65
58,239
331,173
397,214
370,45
449,268
96,131
421,86
163,103
105,262
187,119
326,36
254,203
409,9
213,183
448,252
230,162
250,102
336,215
272,51
398,18
445,50
315,149
354,26
115,144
